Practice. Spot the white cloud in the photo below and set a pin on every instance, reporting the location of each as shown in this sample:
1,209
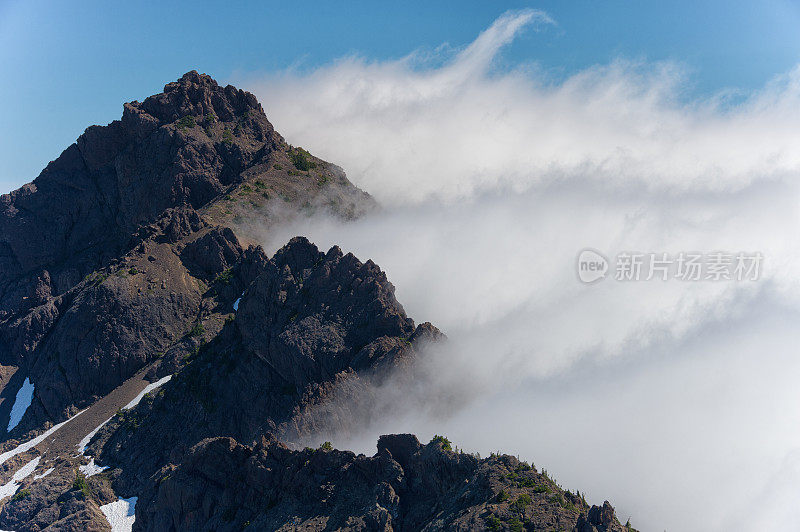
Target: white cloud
406,133
673,400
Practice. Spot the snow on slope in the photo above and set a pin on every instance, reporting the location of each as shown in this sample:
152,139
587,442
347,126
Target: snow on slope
149,388
86,439
21,403
30,444
91,468
37,477
120,514
10,488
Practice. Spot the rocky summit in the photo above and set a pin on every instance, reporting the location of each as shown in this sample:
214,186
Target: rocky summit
158,370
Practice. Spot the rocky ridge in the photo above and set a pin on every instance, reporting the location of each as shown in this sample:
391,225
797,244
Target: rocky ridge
131,258
225,486
310,321
95,280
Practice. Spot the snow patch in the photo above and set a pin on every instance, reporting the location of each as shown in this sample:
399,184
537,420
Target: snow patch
21,403
236,304
91,468
30,444
147,389
120,514
37,477
86,439
11,487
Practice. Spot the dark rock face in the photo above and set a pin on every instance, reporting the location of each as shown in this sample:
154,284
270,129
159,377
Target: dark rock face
80,211
107,334
89,207
105,259
213,253
313,314
222,485
309,323
599,519
173,225
84,343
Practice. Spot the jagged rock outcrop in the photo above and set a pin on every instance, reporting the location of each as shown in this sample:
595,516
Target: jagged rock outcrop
309,323
312,315
216,251
224,486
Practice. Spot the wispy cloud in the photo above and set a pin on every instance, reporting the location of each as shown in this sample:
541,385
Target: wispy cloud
394,125
653,394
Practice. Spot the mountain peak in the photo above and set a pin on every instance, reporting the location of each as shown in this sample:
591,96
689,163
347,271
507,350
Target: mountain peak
187,146
199,95
194,77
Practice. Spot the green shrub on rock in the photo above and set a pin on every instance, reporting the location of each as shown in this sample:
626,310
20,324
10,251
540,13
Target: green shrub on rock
444,441
301,159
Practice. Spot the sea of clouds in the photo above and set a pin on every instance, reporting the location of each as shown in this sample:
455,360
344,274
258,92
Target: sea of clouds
677,401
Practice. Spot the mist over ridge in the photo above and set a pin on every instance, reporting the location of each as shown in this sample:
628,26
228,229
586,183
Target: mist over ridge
492,181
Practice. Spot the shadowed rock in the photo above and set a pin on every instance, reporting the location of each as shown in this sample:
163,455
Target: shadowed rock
301,326
222,485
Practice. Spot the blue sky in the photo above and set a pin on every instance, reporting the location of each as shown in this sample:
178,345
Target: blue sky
66,67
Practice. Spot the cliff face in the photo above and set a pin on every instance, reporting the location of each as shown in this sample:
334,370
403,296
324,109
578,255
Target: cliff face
130,261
